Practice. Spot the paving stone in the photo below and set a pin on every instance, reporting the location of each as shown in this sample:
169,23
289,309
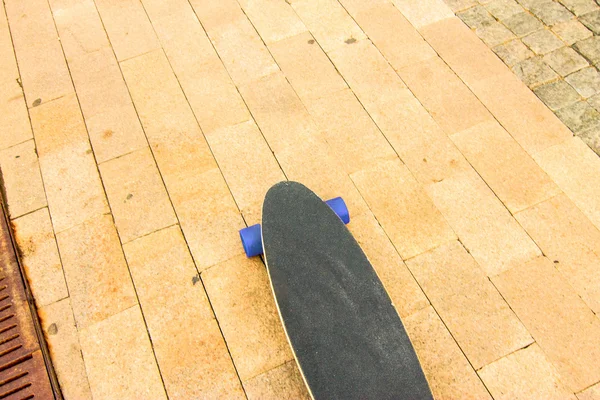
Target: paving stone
586,81
273,20
592,21
525,374
494,34
543,41
411,221
528,4
592,138
565,61
560,322
424,12
476,17
551,13
459,5
474,312
283,382
513,52
534,72
589,48
580,7
579,116
557,95
571,31
570,240
591,393
594,101
502,9
523,24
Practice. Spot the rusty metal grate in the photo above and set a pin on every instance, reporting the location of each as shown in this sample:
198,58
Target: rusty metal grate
25,370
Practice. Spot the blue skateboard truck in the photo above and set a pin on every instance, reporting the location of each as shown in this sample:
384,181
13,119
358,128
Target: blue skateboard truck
252,235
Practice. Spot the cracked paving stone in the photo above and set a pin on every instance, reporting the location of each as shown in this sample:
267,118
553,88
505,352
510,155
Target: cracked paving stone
513,52
557,95
571,31
591,137
552,13
586,82
591,21
565,61
494,34
534,72
579,116
476,17
503,9
523,24
589,48
543,41
580,7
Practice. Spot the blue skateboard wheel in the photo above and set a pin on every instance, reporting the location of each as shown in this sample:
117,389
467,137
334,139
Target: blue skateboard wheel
252,240
339,207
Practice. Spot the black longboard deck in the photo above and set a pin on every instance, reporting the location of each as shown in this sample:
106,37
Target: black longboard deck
345,333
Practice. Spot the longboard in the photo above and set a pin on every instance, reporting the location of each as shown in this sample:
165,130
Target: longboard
346,335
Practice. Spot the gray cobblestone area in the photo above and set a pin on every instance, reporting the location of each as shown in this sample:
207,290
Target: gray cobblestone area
553,46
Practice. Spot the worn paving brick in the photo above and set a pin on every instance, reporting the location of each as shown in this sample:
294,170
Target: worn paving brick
407,297
95,269
591,393
552,312
21,180
589,48
479,319
525,374
137,195
329,23
70,175
281,382
557,94
579,116
40,258
482,223
248,165
571,31
570,240
405,212
449,373
534,72
445,96
592,21
62,337
307,67
476,17
503,9
115,132
494,34
551,13
208,214
574,167
513,52
509,171
274,20
523,24
128,28
348,129
424,12
586,81
119,359
79,26
592,138
187,342
565,61
393,35
580,7
542,42
239,292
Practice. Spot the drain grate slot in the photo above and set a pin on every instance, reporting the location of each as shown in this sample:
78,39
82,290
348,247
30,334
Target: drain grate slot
24,373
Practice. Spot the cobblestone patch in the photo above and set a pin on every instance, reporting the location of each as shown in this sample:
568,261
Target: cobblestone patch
553,46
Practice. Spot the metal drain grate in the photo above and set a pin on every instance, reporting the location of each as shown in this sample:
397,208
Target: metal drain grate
23,372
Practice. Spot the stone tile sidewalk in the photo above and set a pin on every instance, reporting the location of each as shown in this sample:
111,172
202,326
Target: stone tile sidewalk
553,46
138,137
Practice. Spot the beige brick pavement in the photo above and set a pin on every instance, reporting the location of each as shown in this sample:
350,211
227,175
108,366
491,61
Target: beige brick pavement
138,137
